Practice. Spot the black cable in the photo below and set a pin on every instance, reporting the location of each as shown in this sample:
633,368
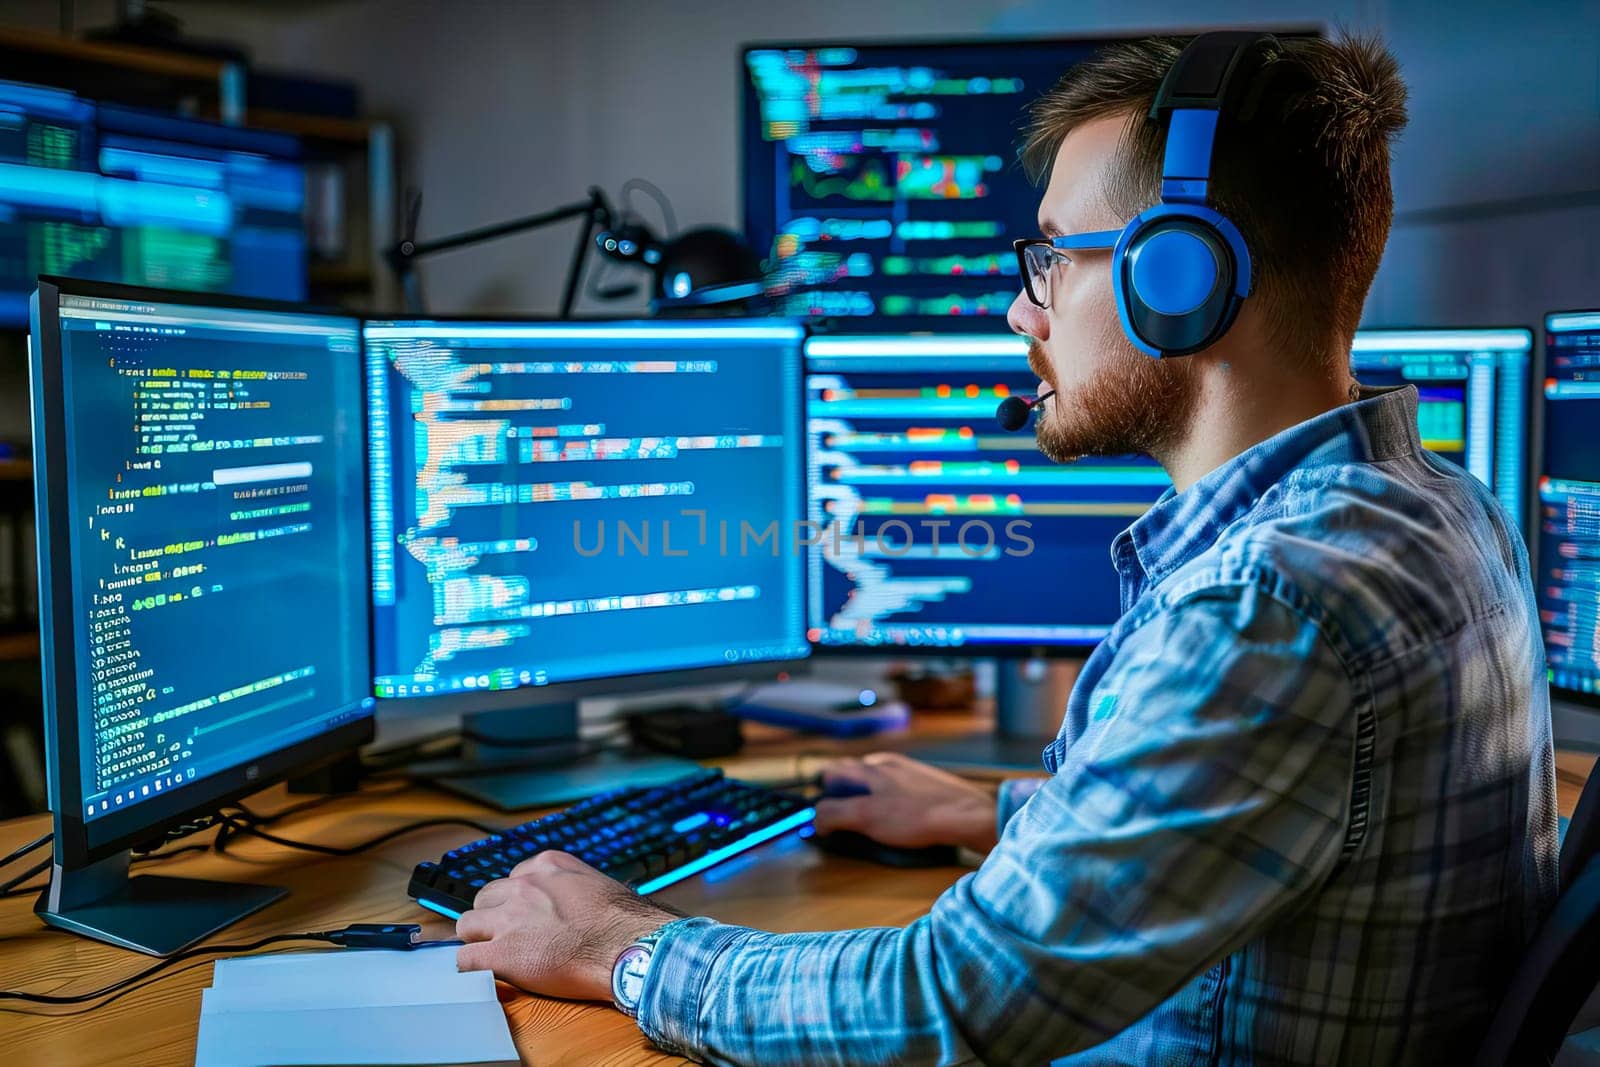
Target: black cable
351,850
562,754
387,760
151,857
38,842
743,694
269,818
226,829
669,218
9,888
396,936
203,950
133,987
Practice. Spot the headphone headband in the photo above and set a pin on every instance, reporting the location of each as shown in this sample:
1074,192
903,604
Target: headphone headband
1214,71
1180,270
1211,76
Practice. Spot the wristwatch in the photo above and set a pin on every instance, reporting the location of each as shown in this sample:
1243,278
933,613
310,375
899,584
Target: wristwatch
628,973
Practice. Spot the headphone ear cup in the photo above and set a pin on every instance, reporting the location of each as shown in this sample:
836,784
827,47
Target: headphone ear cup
1176,280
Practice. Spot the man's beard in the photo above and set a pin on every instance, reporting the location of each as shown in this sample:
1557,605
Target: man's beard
1133,404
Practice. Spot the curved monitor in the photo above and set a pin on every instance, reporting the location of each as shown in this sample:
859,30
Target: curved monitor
946,535
202,542
569,508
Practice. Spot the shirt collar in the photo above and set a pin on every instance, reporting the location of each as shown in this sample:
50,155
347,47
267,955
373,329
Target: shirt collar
1381,424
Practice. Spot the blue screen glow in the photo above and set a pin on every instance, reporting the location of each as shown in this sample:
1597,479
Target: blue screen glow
553,503
880,182
214,475
955,520
114,194
1568,580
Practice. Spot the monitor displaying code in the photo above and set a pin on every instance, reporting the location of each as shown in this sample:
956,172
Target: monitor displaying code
1568,561
215,482
115,194
881,182
938,524
562,502
1472,388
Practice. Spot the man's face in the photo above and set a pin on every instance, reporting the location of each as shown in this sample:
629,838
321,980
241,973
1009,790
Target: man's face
1111,398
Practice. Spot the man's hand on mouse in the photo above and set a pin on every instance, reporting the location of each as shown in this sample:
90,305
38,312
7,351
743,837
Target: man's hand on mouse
908,804
555,926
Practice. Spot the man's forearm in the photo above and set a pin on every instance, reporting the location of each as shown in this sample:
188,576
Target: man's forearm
729,995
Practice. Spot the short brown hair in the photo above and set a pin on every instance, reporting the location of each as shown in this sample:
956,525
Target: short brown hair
1306,182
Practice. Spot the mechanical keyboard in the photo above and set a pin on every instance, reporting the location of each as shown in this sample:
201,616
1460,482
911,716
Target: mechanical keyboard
648,838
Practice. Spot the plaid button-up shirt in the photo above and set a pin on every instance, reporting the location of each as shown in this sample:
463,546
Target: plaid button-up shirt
1301,808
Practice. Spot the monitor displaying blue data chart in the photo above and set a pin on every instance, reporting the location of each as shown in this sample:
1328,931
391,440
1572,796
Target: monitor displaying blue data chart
1472,387
202,478
565,503
936,525
1568,545
881,185
116,194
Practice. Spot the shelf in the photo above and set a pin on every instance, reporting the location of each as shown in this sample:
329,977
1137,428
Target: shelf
15,647
337,277
125,73
132,57
353,132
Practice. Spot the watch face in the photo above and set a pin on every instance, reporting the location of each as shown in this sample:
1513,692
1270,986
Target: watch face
628,980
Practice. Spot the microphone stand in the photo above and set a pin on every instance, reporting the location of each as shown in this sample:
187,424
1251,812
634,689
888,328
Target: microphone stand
595,212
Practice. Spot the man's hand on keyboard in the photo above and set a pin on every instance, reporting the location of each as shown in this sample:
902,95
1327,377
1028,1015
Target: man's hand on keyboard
555,926
902,802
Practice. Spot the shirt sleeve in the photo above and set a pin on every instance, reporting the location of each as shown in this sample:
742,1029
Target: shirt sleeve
1014,792
1209,795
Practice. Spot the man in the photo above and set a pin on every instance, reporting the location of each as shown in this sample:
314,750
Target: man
1301,807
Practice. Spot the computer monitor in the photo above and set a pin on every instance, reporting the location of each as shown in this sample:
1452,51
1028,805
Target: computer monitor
570,508
97,191
199,475
1473,397
1567,549
905,449
957,517
881,184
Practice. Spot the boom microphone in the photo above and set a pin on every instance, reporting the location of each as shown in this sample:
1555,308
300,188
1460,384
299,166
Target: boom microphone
1012,414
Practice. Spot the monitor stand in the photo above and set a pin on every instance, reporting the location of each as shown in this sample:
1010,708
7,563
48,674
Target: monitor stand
151,913
519,759
1030,697
1574,726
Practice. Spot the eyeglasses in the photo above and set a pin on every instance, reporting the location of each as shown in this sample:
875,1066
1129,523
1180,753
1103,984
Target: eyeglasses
1038,256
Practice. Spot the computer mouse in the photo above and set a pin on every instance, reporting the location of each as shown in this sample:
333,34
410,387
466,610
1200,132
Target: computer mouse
858,846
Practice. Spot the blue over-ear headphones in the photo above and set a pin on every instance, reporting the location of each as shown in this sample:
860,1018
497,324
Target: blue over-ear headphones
1180,270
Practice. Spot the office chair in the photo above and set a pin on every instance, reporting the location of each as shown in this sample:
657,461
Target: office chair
1561,966
1583,830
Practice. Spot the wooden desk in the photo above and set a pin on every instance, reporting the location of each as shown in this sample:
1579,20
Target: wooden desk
785,886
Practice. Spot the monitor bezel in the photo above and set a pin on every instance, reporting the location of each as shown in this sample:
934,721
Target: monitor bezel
76,845
1587,701
471,702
